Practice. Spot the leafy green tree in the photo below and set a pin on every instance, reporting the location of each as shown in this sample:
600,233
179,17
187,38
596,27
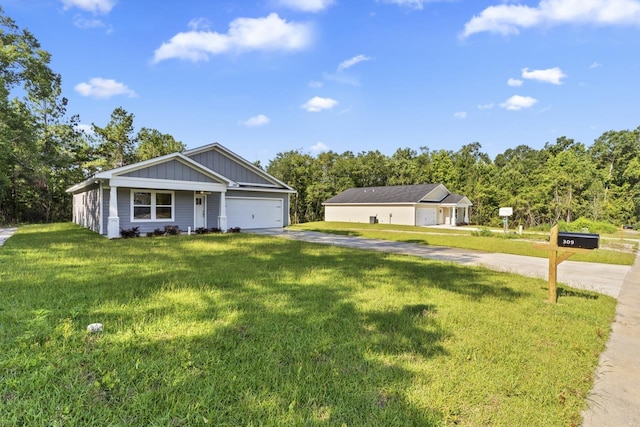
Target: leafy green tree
293,167
153,143
116,143
39,147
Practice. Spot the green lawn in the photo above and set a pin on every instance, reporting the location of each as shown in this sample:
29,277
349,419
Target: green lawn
462,238
241,329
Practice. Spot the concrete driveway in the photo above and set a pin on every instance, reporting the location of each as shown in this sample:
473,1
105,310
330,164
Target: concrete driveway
615,397
603,278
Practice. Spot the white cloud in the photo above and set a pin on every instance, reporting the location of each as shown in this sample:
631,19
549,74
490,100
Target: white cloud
245,34
413,4
518,102
486,106
258,120
98,87
319,147
514,82
510,18
352,61
315,84
199,24
595,65
307,5
317,104
95,6
550,75
460,115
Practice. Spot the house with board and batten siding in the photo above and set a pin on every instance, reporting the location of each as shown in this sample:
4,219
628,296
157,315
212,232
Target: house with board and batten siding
421,205
206,187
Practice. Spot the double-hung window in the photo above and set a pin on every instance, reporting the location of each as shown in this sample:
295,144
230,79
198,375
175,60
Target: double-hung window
151,205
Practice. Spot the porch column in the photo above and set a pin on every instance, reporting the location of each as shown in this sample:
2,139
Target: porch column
113,224
222,218
466,214
453,216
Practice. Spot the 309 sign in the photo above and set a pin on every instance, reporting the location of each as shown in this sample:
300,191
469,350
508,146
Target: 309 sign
579,240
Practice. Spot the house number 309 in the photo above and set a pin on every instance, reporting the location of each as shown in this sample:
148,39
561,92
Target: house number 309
568,242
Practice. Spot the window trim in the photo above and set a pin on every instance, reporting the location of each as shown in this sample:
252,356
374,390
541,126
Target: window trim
153,205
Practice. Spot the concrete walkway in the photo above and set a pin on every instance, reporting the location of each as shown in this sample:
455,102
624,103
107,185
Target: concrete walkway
5,233
603,278
614,400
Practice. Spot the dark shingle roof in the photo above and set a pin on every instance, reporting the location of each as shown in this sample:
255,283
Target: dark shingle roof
452,198
389,194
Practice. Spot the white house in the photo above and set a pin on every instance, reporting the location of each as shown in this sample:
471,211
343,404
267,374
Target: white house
423,204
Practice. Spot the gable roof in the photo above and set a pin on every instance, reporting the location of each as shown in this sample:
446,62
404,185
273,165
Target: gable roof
273,181
270,183
388,194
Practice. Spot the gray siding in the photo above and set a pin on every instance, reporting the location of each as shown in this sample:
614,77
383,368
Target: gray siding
86,208
183,213
213,209
258,194
229,168
173,170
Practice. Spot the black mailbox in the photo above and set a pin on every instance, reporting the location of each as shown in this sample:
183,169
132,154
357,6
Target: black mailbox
578,240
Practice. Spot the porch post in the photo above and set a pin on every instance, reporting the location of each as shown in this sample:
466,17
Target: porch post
453,215
222,218
466,214
113,224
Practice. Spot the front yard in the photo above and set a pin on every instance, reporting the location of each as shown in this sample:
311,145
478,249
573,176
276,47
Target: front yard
240,329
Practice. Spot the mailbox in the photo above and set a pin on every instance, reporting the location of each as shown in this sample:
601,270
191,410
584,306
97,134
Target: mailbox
578,240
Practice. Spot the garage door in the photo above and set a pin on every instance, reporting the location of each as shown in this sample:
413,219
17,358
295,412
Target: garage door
249,213
425,217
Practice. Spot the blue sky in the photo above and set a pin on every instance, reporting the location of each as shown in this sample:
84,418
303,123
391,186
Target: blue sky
268,76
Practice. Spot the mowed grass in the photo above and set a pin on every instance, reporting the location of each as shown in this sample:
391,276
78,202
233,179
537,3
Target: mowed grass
463,239
249,330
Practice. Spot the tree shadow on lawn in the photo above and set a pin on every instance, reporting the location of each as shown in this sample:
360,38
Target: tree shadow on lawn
269,331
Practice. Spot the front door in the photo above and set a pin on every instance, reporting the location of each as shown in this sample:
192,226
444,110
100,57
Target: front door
200,211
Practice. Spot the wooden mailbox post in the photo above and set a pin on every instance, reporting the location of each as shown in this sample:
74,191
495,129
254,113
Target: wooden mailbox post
561,247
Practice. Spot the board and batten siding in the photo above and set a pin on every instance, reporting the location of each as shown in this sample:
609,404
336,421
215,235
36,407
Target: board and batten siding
386,214
86,208
228,167
173,170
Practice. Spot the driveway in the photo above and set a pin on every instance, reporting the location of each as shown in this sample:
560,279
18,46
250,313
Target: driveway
5,233
603,278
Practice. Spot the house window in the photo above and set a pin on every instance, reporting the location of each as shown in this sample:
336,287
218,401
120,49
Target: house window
147,205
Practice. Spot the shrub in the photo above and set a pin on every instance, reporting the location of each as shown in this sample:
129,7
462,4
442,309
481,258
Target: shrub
171,230
158,232
215,230
588,226
233,230
130,232
482,232
202,230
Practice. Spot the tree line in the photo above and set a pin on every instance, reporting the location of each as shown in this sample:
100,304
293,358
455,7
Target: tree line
564,180
43,152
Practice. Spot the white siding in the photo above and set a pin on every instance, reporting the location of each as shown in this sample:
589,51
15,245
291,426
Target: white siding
386,214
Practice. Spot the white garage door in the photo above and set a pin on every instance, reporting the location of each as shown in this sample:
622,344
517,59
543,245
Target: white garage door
253,213
426,216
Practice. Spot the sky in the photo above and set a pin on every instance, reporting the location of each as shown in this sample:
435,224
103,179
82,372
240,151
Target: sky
268,76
